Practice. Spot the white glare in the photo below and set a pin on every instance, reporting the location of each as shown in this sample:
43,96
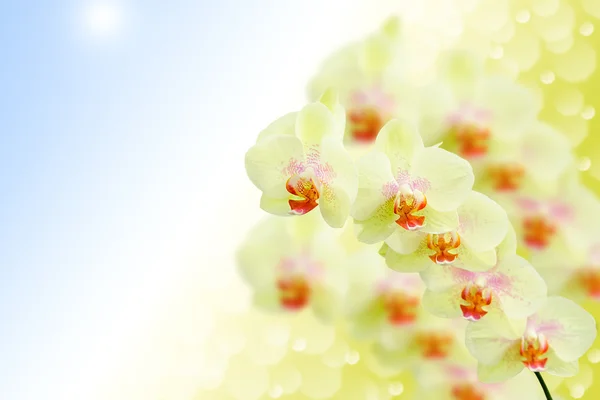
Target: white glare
102,19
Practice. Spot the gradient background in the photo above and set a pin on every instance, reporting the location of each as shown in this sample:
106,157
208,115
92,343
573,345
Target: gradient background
123,129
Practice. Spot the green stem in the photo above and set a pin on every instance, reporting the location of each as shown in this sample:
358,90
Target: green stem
544,387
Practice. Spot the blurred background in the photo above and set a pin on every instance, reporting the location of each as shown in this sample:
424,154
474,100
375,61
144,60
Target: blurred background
123,192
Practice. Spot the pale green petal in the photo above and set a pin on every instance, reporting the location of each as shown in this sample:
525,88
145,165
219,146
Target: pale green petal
570,329
448,179
267,299
509,366
377,53
483,223
414,262
443,277
267,163
475,261
545,152
262,250
280,207
374,172
520,289
345,176
379,226
405,242
462,69
285,125
335,206
508,247
330,98
445,303
439,221
511,106
490,338
400,141
325,302
558,367
314,122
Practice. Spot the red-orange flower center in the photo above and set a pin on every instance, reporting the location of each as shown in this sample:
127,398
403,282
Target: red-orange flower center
305,192
435,345
364,124
506,177
589,280
406,205
532,351
444,245
294,292
473,141
475,299
401,308
467,391
538,231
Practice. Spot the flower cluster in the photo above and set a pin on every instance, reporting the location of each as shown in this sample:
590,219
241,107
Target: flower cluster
434,223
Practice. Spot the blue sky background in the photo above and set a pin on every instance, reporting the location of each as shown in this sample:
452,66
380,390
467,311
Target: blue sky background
121,167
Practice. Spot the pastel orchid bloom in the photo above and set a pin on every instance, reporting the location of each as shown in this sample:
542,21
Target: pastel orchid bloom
538,157
484,110
482,225
381,302
578,279
512,287
558,221
359,72
405,186
550,340
293,264
299,163
431,341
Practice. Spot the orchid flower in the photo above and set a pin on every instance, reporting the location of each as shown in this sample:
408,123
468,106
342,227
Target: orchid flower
537,157
292,264
299,163
405,186
550,340
381,302
477,111
359,73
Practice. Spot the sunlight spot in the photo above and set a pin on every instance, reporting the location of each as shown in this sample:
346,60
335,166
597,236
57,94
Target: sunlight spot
102,19
523,16
588,112
594,356
584,163
577,391
396,389
547,77
586,29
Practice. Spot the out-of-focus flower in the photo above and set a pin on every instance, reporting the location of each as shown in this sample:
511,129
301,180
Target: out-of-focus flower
539,156
380,302
555,223
474,111
577,280
430,341
359,73
512,286
404,187
299,163
292,264
482,226
551,340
